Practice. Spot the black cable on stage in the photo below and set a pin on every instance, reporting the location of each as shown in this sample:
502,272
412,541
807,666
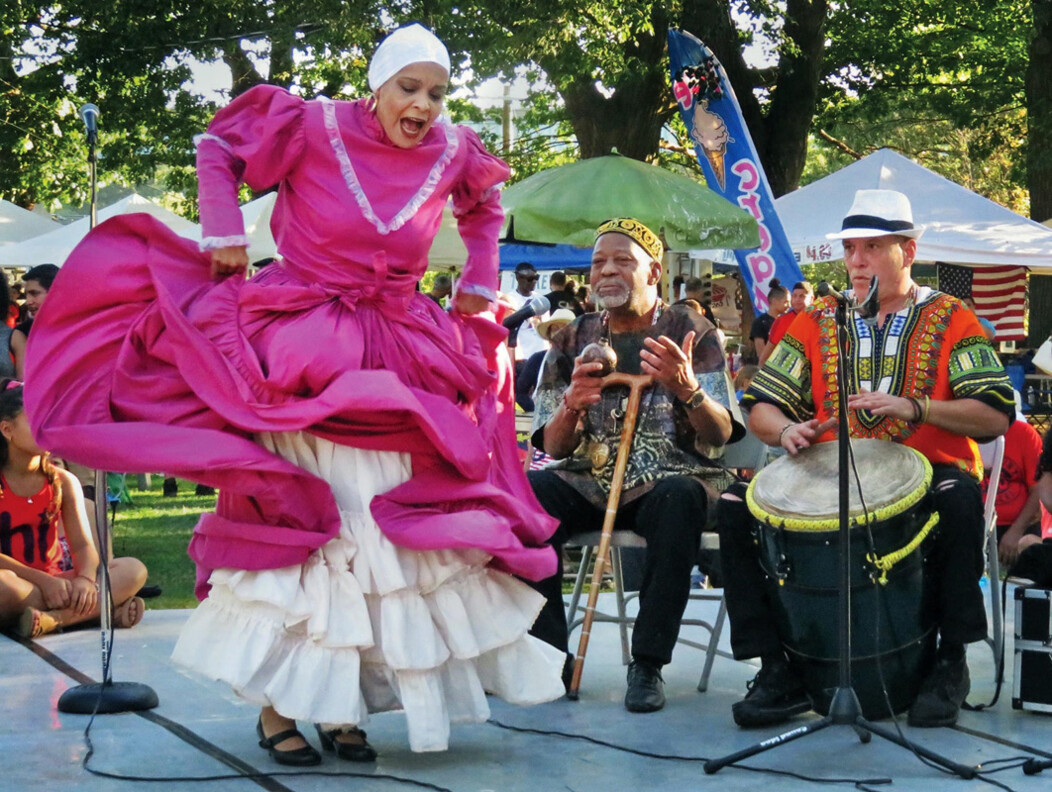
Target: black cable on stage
677,758
245,770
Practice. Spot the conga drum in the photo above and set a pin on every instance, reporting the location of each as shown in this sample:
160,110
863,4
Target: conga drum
796,505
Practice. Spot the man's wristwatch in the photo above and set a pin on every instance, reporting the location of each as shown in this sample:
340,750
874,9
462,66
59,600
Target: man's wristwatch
695,400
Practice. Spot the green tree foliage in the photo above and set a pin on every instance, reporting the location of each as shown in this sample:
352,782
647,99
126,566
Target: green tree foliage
942,80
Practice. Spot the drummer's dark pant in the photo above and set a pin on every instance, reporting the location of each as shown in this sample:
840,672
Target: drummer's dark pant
670,517
953,567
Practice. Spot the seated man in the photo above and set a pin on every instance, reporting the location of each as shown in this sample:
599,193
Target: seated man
689,407
922,374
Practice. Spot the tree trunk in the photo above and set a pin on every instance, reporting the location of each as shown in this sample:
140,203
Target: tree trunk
242,70
630,120
795,96
631,117
1039,113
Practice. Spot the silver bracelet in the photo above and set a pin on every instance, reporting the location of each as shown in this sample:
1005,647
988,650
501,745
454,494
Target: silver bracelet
781,434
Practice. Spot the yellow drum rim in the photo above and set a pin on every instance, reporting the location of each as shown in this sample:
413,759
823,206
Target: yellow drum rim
833,523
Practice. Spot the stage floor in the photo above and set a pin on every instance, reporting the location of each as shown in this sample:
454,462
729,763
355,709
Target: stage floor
202,731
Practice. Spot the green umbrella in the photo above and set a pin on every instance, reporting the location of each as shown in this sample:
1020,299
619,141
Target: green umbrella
566,204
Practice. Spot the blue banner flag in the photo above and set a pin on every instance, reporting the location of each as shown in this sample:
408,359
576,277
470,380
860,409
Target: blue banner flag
728,158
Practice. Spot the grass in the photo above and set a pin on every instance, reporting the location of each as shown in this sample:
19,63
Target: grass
157,530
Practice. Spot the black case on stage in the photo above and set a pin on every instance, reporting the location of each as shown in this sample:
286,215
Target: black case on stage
1032,688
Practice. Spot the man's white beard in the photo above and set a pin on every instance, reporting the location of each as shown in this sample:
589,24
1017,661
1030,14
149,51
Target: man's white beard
612,299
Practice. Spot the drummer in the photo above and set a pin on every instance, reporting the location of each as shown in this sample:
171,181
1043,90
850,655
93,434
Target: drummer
664,498
922,374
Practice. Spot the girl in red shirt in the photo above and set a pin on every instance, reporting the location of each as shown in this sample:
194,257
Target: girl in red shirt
36,595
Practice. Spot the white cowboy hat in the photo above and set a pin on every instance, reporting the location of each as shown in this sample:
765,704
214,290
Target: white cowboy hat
878,213
554,323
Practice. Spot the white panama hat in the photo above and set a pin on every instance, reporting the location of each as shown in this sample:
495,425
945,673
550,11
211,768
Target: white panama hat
878,213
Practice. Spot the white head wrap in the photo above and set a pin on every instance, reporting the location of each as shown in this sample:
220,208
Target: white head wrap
410,44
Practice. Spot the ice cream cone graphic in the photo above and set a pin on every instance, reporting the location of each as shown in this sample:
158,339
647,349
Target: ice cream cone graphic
710,133
715,159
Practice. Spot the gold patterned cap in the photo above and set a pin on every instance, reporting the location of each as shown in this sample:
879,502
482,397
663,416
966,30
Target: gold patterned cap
636,231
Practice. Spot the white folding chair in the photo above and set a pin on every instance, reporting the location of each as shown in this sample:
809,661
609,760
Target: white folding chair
627,540
995,639
749,452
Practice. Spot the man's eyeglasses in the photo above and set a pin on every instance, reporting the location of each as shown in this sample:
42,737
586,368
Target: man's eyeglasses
526,276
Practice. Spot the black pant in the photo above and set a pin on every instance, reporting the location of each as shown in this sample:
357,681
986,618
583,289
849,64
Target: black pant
953,566
670,517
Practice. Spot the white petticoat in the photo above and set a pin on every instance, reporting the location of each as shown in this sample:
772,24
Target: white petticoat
365,626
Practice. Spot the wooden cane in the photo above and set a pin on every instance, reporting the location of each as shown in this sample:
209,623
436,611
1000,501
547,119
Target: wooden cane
636,383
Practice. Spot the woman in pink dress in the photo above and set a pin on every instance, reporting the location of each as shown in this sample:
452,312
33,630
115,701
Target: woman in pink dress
371,505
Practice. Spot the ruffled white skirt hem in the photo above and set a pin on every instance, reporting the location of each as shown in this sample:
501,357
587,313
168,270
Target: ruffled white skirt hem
365,626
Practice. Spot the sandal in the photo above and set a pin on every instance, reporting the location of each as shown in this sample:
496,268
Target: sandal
129,613
351,751
34,623
297,757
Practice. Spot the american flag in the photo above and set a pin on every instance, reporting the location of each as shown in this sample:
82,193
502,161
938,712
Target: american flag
999,294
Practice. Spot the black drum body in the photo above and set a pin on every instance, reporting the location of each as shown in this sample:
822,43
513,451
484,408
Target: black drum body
892,635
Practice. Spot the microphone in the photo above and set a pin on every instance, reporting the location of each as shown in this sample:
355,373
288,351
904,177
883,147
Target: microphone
867,310
536,306
89,114
825,290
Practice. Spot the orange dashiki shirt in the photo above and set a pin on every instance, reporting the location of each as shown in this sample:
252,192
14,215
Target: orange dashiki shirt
934,347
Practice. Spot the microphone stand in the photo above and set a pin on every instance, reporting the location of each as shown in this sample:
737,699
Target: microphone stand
107,696
844,709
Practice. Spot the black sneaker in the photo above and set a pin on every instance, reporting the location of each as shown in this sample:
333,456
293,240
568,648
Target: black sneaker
170,489
775,695
646,690
941,694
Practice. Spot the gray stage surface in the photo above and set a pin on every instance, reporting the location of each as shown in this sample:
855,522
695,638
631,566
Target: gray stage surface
202,730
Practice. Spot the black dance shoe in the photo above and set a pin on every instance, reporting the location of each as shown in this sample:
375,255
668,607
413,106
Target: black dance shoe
351,751
298,757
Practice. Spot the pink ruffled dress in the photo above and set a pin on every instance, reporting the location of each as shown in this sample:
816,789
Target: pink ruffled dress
371,502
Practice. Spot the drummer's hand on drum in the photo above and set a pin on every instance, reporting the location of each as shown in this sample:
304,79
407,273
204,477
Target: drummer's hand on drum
229,261
798,436
882,404
670,364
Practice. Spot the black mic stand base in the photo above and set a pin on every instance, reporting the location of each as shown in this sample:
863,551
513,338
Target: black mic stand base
107,698
843,711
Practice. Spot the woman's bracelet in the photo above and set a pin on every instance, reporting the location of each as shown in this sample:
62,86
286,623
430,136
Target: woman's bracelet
927,409
785,429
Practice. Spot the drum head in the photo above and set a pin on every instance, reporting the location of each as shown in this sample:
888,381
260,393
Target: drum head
805,488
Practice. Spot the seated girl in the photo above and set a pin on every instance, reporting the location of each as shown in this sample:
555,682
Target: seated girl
36,595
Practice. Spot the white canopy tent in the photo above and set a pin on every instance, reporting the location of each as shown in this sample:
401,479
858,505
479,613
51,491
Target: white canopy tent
961,227
447,250
18,224
55,246
256,216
